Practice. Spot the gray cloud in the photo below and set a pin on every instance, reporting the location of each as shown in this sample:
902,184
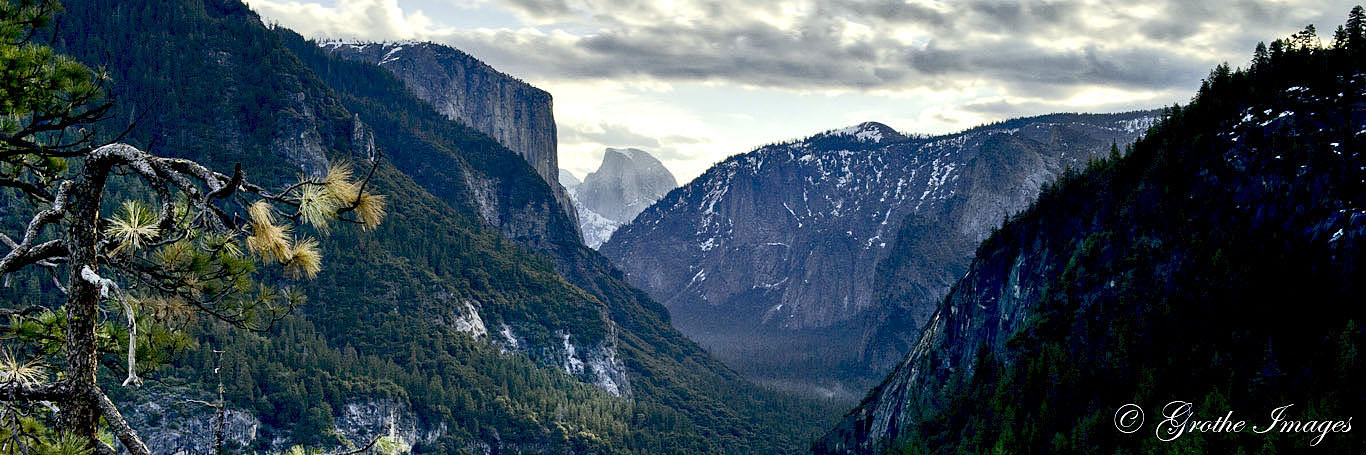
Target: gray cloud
612,134
543,9
617,135
1006,109
997,41
1028,47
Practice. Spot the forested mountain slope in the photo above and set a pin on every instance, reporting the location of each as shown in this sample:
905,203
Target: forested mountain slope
472,320
1217,263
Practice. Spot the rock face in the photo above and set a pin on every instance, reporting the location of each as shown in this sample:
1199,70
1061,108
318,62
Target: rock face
173,424
592,362
466,90
627,182
769,259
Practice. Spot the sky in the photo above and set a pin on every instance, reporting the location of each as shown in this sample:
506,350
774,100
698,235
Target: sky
695,81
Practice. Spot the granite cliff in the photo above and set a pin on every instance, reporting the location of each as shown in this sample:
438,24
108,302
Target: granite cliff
462,88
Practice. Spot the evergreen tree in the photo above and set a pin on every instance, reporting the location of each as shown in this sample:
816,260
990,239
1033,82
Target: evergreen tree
1307,38
188,240
1356,28
1277,50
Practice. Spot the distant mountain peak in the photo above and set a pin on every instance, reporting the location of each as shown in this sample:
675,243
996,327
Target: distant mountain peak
774,254
568,180
870,132
627,181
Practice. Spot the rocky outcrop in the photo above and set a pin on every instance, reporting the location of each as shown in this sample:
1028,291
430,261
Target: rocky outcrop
296,137
365,419
468,91
598,365
627,181
175,421
771,258
170,423
594,362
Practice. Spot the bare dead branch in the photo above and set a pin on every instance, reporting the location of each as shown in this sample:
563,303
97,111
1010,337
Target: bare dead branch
25,252
28,188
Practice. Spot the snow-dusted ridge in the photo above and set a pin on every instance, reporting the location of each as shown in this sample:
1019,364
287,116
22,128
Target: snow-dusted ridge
838,201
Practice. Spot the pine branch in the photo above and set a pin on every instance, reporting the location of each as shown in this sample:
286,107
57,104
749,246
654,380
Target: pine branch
13,391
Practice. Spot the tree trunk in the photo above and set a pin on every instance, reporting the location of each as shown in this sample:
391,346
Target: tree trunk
81,414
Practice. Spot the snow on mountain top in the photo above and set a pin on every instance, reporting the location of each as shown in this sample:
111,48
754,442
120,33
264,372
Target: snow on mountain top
1137,124
362,44
339,43
866,132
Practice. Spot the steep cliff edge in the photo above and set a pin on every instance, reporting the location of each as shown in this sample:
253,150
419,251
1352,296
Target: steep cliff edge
769,258
466,90
1218,263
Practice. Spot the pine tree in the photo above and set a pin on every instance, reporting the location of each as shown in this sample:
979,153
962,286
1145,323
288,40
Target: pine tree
1277,50
1356,28
1307,38
192,246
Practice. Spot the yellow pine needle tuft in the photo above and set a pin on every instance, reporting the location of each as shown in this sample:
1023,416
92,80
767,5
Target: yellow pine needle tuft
370,209
267,239
261,212
22,373
317,206
339,184
132,226
305,259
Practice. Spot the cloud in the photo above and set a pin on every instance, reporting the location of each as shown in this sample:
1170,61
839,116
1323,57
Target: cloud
1034,45
1028,45
669,147
754,72
359,19
612,134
